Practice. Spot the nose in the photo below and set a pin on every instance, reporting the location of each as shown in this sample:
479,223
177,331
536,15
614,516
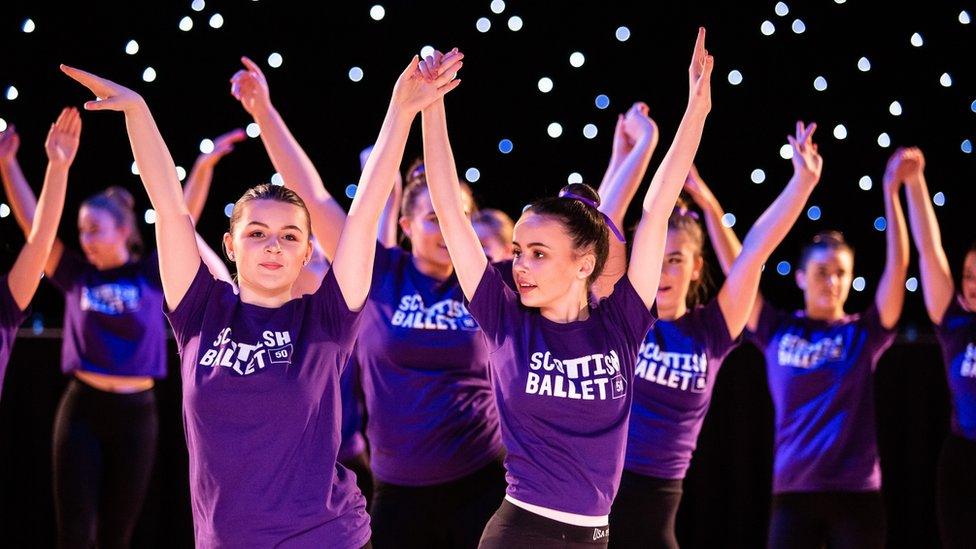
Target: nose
273,246
518,264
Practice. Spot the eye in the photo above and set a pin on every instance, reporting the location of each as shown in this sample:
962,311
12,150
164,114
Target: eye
516,253
539,255
256,234
291,237
674,260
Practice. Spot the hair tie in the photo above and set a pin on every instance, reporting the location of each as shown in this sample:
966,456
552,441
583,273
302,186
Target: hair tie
592,204
684,211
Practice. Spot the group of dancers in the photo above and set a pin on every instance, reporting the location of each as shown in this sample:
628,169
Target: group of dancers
532,384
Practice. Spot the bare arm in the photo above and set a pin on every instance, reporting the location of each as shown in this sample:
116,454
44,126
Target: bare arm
647,257
724,240
353,268
641,134
739,296
61,147
179,258
250,87
391,211
938,287
890,296
197,186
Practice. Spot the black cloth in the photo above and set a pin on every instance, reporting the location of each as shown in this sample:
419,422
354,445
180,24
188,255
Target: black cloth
956,493
515,528
644,511
841,520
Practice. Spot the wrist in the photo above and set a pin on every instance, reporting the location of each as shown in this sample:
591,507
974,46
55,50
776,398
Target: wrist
263,111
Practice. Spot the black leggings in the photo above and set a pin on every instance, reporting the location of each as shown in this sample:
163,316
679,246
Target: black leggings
449,515
644,511
837,519
956,492
515,528
104,448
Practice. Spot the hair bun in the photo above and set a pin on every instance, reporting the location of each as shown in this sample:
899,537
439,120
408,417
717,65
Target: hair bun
829,237
416,172
120,196
580,190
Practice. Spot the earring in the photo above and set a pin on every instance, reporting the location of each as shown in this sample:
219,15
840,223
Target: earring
230,256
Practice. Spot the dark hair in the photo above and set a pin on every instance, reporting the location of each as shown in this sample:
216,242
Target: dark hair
416,183
685,220
119,204
497,222
583,222
267,191
824,240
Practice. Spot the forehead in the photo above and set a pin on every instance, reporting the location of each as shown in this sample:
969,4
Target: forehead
831,258
422,204
272,213
93,214
680,241
970,261
532,227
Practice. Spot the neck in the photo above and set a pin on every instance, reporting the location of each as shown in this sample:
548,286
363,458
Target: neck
827,315
674,312
271,299
436,271
571,309
117,260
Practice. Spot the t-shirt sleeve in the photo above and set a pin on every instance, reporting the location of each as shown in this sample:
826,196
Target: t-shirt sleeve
770,319
505,269
187,318
150,269
879,337
628,311
954,317
10,314
69,271
495,307
718,341
340,323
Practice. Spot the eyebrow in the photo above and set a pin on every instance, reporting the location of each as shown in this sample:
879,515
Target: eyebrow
530,244
674,253
293,227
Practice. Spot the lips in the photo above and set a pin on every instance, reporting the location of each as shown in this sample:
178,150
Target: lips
663,289
525,287
271,266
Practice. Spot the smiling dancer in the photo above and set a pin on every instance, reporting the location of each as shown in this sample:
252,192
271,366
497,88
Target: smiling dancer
261,370
562,368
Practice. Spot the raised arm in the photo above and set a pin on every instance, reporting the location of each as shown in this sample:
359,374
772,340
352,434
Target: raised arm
197,186
650,237
724,240
61,147
462,242
639,137
739,296
353,268
19,193
391,211
250,87
175,237
938,287
890,296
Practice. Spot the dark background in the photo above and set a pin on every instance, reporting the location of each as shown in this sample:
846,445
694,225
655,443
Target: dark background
727,491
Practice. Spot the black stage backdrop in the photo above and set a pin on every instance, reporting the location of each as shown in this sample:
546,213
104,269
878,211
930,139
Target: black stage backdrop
726,499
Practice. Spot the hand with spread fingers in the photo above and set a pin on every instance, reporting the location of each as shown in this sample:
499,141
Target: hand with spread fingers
63,138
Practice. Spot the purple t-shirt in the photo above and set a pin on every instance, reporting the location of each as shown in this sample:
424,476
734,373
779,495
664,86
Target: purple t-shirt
673,382
957,335
112,318
430,414
563,393
353,442
820,379
261,410
10,319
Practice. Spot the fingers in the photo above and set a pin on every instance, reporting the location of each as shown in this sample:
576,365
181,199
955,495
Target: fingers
75,127
252,66
698,57
109,104
234,136
444,90
807,136
84,78
425,68
449,75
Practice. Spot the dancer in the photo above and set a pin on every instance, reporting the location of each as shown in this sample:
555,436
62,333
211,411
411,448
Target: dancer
953,314
261,370
17,287
819,362
431,424
682,353
562,369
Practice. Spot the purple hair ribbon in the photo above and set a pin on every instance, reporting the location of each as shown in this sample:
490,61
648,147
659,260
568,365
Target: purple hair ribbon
592,204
